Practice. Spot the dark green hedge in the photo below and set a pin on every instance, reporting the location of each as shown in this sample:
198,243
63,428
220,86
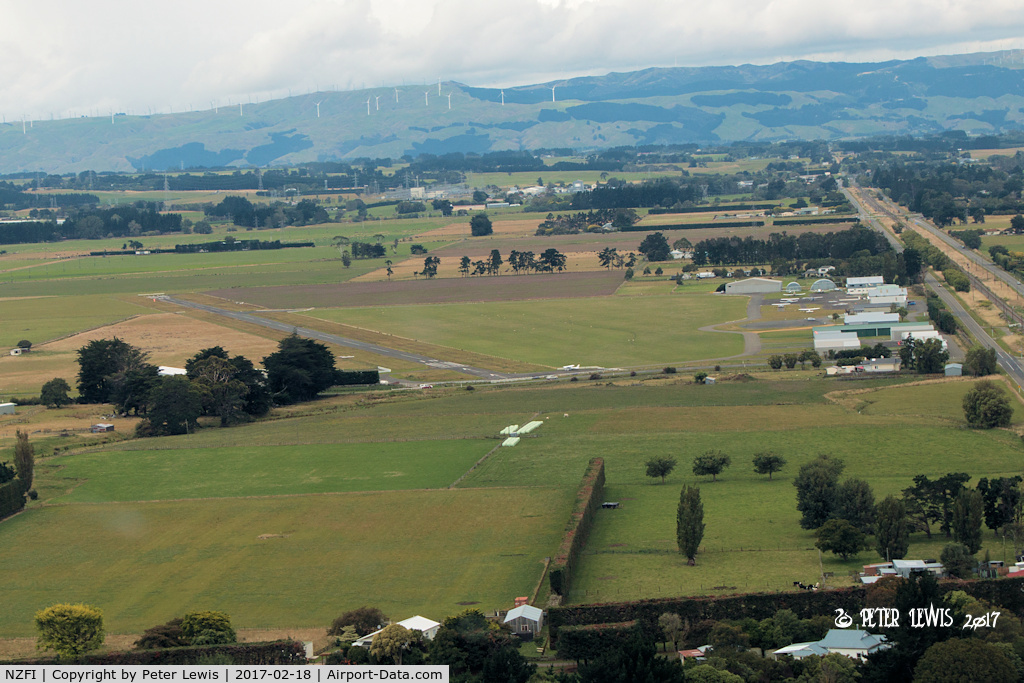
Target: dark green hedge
721,208
277,652
349,377
12,497
1004,592
695,226
586,643
589,497
814,221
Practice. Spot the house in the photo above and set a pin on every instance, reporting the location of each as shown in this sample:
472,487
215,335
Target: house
525,620
852,643
101,427
880,365
427,627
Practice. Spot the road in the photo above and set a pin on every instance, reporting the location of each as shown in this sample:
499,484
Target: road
974,258
1010,365
344,341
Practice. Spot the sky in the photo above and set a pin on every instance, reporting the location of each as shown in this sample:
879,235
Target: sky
64,58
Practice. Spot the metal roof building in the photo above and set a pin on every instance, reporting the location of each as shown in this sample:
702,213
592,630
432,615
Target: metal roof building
754,285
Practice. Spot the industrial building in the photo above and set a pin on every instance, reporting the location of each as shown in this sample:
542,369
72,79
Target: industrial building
754,285
856,283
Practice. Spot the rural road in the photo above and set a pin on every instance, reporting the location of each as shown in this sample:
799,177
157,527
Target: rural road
343,341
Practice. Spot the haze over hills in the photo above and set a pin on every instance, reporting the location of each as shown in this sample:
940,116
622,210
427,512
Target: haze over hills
978,93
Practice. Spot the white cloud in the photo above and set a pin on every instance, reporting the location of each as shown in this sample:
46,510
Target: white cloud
89,57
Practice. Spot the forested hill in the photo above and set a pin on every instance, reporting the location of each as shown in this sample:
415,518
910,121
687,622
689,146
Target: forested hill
981,93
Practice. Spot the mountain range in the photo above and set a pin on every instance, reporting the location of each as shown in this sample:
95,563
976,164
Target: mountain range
978,93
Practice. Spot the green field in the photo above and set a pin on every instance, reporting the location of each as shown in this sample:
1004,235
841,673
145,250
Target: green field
412,552
319,515
609,331
42,319
172,474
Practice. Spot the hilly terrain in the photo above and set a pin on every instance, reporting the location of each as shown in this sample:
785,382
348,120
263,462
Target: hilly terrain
979,94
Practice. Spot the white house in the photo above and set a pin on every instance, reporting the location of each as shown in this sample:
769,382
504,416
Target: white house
525,619
427,627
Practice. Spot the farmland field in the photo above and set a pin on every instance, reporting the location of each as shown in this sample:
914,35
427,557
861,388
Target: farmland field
321,516
441,290
273,562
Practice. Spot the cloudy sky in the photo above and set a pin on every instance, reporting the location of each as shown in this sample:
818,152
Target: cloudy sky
64,58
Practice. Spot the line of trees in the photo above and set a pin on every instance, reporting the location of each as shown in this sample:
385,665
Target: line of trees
215,384
549,261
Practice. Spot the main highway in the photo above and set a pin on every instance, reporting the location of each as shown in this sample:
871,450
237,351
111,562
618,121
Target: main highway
1012,366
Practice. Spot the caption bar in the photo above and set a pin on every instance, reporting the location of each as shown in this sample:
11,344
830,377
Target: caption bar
219,674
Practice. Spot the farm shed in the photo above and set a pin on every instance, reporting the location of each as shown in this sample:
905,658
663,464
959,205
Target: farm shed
101,427
17,351
6,409
954,369
525,620
754,285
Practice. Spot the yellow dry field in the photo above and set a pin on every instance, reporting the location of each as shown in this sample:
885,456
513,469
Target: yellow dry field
513,228
986,153
701,217
169,338
576,261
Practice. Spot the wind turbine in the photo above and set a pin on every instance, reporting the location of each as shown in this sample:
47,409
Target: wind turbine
377,101
503,98
368,106
239,108
318,109
449,101
438,86
396,95
426,101
553,92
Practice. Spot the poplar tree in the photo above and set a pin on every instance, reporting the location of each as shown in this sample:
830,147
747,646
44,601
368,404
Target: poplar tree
689,523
